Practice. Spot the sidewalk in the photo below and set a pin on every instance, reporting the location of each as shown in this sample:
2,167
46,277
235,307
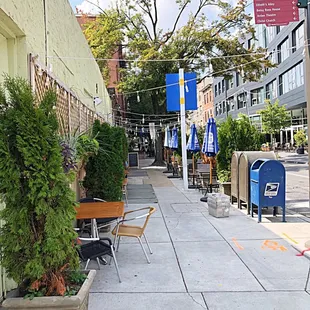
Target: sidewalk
201,262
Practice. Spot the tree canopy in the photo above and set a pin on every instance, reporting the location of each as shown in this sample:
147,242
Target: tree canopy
135,24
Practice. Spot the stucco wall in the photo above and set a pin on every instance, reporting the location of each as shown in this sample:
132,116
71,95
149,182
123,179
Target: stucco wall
63,48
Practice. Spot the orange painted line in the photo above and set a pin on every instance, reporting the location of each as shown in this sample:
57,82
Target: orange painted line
240,247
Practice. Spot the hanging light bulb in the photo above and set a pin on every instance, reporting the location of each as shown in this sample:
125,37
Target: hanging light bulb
143,119
186,87
138,97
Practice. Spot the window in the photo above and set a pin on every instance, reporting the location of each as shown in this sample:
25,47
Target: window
271,33
219,86
241,101
230,104
239,79
292,79
273,59
283,51
271,90
231,82
298,37
224,106
250,43
215,90
257,96
223,85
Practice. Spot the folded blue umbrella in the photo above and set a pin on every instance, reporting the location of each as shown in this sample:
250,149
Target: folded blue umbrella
174,139
210,145
193,143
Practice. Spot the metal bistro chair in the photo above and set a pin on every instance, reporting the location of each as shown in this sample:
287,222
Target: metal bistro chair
95,250
100,223
123,230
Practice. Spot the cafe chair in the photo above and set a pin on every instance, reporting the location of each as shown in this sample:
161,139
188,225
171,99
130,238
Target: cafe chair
133,231
95,250
85,225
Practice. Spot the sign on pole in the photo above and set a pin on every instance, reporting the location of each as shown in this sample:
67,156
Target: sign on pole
275,12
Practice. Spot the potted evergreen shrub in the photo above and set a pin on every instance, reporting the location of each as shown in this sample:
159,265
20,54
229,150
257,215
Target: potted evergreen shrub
37,239
300,139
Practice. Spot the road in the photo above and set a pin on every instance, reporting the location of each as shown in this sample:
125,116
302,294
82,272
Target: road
297,186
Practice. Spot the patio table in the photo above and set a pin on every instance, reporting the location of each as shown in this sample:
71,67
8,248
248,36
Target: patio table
96,210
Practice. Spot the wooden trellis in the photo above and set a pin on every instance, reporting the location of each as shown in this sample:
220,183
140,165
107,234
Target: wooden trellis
71,112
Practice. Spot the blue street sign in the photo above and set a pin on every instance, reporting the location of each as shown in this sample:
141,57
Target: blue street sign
173,92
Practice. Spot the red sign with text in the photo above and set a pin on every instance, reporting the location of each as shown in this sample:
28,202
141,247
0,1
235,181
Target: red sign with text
275,12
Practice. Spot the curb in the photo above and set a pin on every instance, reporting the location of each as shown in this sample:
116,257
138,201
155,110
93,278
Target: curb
300,249
293,162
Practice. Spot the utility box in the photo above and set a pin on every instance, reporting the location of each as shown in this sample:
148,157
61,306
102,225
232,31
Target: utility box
218,205
245,162
267,186
235,176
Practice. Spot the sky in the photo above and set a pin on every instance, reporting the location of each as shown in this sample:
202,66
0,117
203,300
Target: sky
164,12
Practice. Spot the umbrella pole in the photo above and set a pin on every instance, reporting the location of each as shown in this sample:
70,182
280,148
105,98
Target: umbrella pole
210,170
193,165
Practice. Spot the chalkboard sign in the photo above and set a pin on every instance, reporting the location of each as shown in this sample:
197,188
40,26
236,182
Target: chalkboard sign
133,159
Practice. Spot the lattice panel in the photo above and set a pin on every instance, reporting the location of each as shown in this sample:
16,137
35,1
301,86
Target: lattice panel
72,114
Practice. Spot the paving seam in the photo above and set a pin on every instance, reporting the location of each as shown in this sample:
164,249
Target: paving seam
204,299
236,254
307,281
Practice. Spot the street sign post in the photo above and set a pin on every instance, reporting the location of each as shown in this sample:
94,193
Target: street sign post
275,12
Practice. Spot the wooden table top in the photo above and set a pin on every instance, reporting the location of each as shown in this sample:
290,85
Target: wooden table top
95,210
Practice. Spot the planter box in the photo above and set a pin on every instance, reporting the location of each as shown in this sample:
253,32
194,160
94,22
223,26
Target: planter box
77,302
226,188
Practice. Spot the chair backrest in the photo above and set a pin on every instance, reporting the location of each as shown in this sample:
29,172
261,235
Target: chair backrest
91,199
151,211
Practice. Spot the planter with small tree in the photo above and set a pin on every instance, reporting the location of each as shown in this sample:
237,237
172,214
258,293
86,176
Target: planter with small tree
301,140
37,238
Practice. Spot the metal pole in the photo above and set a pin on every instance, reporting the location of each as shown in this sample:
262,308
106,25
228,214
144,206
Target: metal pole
307,80
183,128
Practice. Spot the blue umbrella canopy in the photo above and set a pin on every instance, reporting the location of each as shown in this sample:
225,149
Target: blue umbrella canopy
167,137
210,145
193,143
174,139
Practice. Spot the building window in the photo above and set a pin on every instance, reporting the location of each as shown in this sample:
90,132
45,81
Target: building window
257,96
271,90
271,33
223,85
298,37
273,60
283,51
239,79
224,106
219,87
292,79
241,100
250,43
215,90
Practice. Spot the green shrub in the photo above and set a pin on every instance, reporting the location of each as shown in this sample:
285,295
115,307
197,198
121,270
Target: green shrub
36,239
105,171
300,138
235,135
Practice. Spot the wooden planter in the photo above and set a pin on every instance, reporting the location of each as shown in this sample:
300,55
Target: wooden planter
77,302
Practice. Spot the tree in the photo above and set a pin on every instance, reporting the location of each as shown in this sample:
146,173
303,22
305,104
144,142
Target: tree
37,236
235,135
149,48
274,118
300,138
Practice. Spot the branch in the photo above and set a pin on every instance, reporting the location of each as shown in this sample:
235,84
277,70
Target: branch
149,13
156,15
98,7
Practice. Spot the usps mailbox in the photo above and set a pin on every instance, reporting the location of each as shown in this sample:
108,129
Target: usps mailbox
267,186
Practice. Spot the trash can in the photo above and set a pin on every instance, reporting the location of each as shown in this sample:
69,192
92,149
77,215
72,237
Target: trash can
267,186
235,176
245,161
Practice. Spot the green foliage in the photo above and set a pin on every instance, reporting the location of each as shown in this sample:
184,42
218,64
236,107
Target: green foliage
235,135
36,239
105,171
86,147
274,117
300,138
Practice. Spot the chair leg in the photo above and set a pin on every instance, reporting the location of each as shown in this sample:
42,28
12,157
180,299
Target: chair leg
87,264
147,243
147,258
98,262
118,242
116,264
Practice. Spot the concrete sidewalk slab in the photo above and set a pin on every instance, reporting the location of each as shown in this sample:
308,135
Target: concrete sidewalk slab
188,207
189,228
162,275
168,211
258,300
172,195
214,266
241,227
142,301
275,264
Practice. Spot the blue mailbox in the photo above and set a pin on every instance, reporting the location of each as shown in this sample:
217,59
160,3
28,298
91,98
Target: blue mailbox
267,186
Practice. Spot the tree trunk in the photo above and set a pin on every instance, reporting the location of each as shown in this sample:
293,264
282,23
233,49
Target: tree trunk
159,161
